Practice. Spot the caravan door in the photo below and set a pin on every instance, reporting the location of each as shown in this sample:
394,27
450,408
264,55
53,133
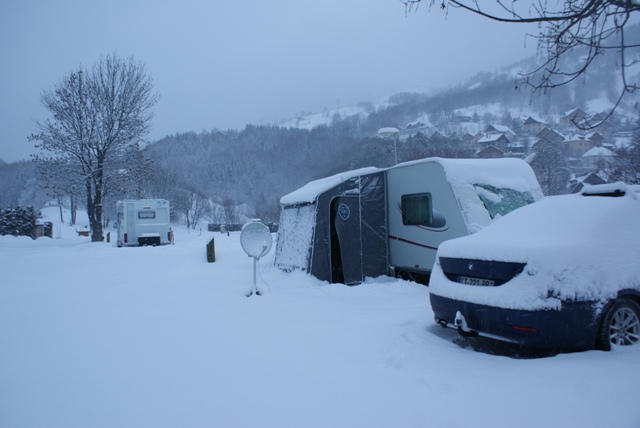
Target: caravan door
346,240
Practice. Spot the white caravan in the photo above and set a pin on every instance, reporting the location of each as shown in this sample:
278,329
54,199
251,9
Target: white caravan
144,222
433,200
372,222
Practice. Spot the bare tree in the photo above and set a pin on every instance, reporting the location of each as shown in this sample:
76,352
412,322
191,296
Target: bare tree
592,26
53,177
200,209
100,118
230,206
191,203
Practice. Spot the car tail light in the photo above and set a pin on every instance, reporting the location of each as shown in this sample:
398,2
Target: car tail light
126,238
527,329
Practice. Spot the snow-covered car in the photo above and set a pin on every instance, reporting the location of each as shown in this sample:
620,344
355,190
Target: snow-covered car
562,273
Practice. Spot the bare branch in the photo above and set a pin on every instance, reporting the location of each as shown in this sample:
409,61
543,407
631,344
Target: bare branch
592,26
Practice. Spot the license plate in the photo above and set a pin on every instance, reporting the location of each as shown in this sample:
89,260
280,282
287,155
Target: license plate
475,281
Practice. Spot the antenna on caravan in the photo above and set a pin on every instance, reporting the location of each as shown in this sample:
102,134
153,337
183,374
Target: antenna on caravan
256,241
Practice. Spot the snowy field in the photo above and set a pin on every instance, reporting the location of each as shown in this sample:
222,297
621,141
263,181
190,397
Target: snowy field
97,336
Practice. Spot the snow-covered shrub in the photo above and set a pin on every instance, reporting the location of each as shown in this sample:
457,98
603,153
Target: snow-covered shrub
18,221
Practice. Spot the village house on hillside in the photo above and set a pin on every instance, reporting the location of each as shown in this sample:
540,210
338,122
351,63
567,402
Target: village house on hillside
578,145
550,135
491,152
533,126
601,124
498,140
573,117
597,157
500,129
578,119
466,138
586,151
595,137
591,179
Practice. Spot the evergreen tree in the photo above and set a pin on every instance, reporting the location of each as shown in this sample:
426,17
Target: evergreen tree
18,221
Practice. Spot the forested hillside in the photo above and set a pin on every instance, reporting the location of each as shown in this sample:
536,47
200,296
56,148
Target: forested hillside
228,175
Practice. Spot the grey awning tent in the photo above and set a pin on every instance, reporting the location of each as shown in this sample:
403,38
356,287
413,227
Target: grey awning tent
336,228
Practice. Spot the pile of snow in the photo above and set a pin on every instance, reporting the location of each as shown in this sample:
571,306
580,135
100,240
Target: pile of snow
97,336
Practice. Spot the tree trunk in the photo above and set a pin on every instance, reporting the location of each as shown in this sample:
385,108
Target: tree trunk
90,206
59,199
96,235
96,226
94,210
74,209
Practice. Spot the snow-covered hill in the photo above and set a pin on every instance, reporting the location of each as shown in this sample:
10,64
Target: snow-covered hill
495,93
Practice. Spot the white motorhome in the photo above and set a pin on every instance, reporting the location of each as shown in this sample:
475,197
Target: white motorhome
144,222
372,222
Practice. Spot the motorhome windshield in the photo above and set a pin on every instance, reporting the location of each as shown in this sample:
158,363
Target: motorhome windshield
501,201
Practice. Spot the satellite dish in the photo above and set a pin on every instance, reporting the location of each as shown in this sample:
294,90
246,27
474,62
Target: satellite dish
255,239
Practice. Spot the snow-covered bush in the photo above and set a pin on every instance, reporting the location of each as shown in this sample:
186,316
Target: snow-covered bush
18,221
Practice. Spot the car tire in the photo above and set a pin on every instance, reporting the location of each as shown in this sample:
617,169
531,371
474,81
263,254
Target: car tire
620,325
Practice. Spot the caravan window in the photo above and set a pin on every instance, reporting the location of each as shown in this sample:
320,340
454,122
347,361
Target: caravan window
417,209
145,215
501,201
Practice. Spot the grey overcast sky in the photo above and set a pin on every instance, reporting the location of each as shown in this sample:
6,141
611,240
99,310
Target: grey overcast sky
226,63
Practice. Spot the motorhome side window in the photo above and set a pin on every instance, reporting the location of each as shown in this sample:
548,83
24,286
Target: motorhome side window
417,209
145,215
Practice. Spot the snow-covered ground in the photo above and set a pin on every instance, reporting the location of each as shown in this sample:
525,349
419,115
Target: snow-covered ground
97,336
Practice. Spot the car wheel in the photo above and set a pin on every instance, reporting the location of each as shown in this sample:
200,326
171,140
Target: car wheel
620,325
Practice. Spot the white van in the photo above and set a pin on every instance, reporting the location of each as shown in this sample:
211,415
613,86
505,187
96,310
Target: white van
144,222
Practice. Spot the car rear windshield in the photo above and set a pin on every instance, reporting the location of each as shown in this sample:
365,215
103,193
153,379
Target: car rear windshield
501,201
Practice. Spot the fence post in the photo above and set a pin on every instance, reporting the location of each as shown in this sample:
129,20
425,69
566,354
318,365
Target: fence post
211,251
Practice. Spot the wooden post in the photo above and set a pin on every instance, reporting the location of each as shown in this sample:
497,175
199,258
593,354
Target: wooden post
211,251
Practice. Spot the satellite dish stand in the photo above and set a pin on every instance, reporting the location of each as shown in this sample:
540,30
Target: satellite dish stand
256,241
